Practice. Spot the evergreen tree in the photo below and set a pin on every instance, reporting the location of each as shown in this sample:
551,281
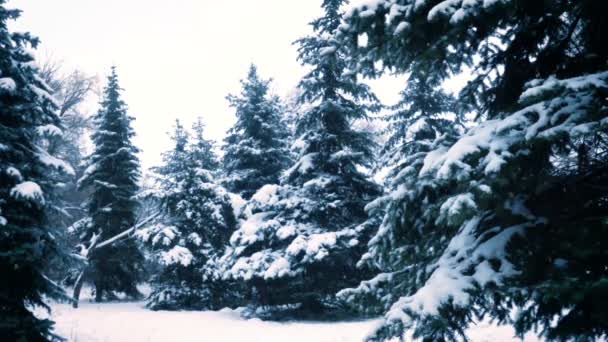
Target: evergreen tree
255,151
421,122
301,240
509,215
202,149
196,222
27,115
112,176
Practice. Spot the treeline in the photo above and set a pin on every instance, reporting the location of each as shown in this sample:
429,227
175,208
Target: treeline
493,202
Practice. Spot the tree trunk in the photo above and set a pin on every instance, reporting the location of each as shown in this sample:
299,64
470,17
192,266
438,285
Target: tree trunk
98,282
98,290
77,288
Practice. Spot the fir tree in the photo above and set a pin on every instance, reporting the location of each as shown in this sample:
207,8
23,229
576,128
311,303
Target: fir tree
202,149
421,122
27,114
302,239
197,220
255,151
112,176
509,215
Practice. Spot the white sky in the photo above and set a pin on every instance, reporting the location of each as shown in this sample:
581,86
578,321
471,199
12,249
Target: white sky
177,59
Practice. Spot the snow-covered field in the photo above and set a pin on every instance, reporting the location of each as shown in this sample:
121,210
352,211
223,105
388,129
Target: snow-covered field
121,322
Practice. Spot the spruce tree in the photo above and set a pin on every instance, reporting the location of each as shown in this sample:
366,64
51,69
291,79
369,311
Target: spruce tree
301,240
201,149
27,242
422,121
192,232
255,151
112,176
508,215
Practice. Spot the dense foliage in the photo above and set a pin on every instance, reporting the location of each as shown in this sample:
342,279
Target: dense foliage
255,151
112,177
28,119
193,230
493,202
300,240
510,214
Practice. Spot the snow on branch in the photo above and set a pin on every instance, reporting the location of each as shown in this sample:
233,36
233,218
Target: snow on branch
550,107
28,191
449,280
93,244
53,162
128,231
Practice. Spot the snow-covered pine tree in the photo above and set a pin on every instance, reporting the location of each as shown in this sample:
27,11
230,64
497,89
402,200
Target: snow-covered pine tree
511,214
112,176
27,242
201,151
422,121
301,240
194,228
255,150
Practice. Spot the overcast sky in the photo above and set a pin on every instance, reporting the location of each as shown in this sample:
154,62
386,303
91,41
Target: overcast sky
176,59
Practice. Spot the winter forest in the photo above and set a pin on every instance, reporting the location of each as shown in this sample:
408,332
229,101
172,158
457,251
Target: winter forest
328,215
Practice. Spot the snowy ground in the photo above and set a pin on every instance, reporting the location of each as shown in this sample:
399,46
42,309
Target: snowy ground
118,322
131,322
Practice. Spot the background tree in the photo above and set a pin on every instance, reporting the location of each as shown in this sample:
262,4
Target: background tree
202,149
302,239
197,220
28,117
255,150
112,176
73,91
422,121
509,215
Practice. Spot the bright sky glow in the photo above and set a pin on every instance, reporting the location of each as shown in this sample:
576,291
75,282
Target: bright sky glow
177,59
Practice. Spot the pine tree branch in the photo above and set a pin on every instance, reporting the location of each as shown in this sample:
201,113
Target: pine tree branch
127,232
94,245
